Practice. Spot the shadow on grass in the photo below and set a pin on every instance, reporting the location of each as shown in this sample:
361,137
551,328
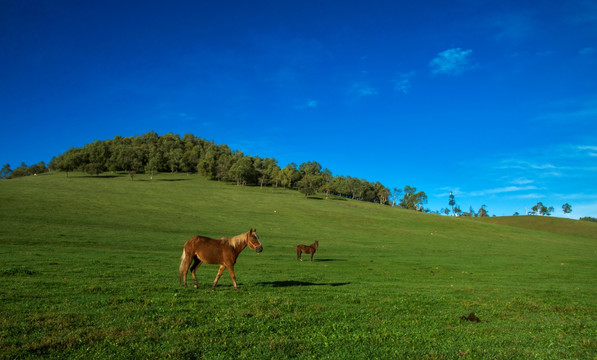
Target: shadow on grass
101,176
172,180
317,260
289,283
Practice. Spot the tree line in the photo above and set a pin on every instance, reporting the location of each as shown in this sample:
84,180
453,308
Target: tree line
150,153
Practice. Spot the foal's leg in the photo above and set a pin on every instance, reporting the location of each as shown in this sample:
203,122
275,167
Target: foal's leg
196,264
298,254
220,272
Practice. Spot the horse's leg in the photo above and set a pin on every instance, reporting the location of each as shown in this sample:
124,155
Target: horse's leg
313,253
220,272
298,254
232,276
187,264
196,264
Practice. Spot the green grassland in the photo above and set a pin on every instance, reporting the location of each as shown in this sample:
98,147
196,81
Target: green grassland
88,269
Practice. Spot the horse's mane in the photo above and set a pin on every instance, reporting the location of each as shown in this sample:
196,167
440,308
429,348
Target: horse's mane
235,240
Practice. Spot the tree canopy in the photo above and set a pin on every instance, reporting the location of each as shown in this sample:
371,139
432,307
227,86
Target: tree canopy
151,153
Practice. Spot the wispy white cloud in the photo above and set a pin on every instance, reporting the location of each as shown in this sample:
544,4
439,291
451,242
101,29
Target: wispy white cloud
452,62
570,115
364,90
308,104
522,181
529,196
312,103
570,110
524,165
403,83
587,151
185,117
501,190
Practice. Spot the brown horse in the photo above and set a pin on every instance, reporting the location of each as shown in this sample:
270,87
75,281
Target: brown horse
224,251
307,250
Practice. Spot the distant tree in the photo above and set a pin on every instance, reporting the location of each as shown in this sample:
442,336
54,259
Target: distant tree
273,171
471,212
483,211
5,172
172,150
413,200
310,178
209,161
340,186
21,171
68,161
38,168
326,182
327,188
174,159
96,156
354,187
588,218
383,193
190,158
154,161
516,214
541,209
224,162
289,175
457,210
310,167
396,195
242,170
128,157
451,202
567,209
368,192
260,166
308,185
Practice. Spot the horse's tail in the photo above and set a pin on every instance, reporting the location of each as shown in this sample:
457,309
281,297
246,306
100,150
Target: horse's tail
183,264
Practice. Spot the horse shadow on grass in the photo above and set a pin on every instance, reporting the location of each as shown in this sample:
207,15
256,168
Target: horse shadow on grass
291,283
325,260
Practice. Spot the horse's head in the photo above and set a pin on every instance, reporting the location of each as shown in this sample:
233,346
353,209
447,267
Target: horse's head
254,241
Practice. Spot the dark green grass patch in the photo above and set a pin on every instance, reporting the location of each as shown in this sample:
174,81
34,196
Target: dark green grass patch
88,269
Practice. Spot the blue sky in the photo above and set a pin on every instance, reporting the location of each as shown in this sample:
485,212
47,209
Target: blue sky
495,101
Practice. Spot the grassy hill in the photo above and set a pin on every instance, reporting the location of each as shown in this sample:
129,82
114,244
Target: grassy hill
89,269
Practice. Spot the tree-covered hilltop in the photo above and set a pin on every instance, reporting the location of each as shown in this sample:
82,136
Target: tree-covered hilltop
151,153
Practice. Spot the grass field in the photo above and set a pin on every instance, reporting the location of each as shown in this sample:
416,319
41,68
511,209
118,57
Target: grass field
89,270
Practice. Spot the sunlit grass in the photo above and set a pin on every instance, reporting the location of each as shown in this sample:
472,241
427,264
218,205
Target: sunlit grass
89,269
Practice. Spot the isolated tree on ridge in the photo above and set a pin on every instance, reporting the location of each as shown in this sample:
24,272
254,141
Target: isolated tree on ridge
452,202
412,199
567,209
